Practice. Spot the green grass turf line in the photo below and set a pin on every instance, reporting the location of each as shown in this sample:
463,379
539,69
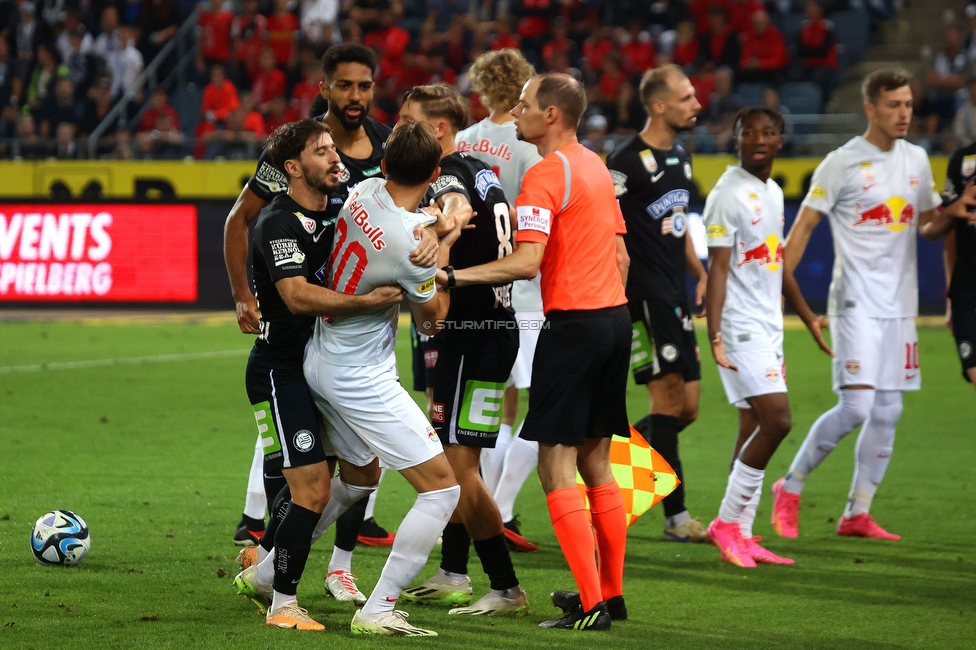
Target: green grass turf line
155,458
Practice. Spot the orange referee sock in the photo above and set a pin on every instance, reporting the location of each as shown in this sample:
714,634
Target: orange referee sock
568,514
610,522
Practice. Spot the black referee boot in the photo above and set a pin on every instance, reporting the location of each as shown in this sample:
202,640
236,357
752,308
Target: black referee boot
597,618
570,600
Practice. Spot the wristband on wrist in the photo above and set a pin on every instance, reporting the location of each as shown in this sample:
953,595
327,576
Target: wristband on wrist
451,282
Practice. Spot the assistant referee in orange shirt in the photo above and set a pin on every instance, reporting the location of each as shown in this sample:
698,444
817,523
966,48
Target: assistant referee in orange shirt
570,227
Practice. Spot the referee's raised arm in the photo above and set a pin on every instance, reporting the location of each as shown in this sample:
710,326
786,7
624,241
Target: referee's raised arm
570,227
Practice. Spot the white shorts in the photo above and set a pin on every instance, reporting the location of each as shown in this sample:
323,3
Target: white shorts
761,371
530,322
369,414
877,352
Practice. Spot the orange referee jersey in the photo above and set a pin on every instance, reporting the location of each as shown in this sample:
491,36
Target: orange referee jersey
568,203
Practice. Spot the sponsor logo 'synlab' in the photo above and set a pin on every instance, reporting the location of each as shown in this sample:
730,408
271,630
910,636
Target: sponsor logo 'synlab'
373,233
98,253
896,213
484,145
769,253
668,202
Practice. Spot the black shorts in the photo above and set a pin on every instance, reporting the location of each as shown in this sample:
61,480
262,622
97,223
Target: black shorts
286,416
663,339
964,330
468,393
579,377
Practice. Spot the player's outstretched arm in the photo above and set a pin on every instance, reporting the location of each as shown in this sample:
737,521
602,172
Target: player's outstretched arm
799,237
307,299
245,210
457,205
816,324
718,262
698,272
934,223
523,264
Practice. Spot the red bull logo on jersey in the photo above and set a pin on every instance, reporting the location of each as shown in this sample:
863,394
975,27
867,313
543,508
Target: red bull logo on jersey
484,145
768,254
896,213
361,218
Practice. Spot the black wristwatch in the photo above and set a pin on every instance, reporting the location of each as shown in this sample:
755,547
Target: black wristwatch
451,282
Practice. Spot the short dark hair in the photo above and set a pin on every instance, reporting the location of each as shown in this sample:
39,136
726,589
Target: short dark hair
749,111
885,79
412,154
347,53
289,140
654,83
565,93
440,101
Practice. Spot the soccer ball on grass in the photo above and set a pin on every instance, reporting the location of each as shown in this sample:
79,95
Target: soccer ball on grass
60,537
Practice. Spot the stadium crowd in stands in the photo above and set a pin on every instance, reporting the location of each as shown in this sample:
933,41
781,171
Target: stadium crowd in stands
64,63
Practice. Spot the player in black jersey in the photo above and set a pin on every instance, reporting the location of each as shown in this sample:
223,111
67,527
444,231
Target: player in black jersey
289,246
652,177
958,222
360,141
470,361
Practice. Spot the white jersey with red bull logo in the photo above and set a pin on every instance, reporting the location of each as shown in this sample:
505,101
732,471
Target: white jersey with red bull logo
498,146
873,199
373,242
745,214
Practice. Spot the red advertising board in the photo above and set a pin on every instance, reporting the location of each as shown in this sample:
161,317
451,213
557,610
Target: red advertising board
98,253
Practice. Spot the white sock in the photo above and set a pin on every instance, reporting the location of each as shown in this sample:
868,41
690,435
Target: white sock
456,578
741,489
264,571
830,428
520,459
416,536
492,460
677,520
371,504
748,515
261,553
255,502
873,451
279,600
341,560
341,496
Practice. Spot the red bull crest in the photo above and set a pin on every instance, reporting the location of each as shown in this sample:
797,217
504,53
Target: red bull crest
896,213
768,254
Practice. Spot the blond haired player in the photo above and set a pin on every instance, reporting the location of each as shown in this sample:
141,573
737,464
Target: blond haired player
877,192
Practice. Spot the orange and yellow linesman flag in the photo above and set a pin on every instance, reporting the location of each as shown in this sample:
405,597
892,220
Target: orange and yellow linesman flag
643,475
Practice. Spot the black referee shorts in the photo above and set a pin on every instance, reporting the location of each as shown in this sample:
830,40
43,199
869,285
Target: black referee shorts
286,416
964,331
663,339
579,377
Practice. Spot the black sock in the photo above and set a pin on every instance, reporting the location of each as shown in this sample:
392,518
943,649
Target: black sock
251,523
278,513
664,438
292,543
497,562
644,427
348,524
272,487
454,548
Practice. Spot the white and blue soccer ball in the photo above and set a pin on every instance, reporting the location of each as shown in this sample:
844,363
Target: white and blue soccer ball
60,537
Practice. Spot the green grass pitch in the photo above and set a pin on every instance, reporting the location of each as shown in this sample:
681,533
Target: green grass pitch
155,456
